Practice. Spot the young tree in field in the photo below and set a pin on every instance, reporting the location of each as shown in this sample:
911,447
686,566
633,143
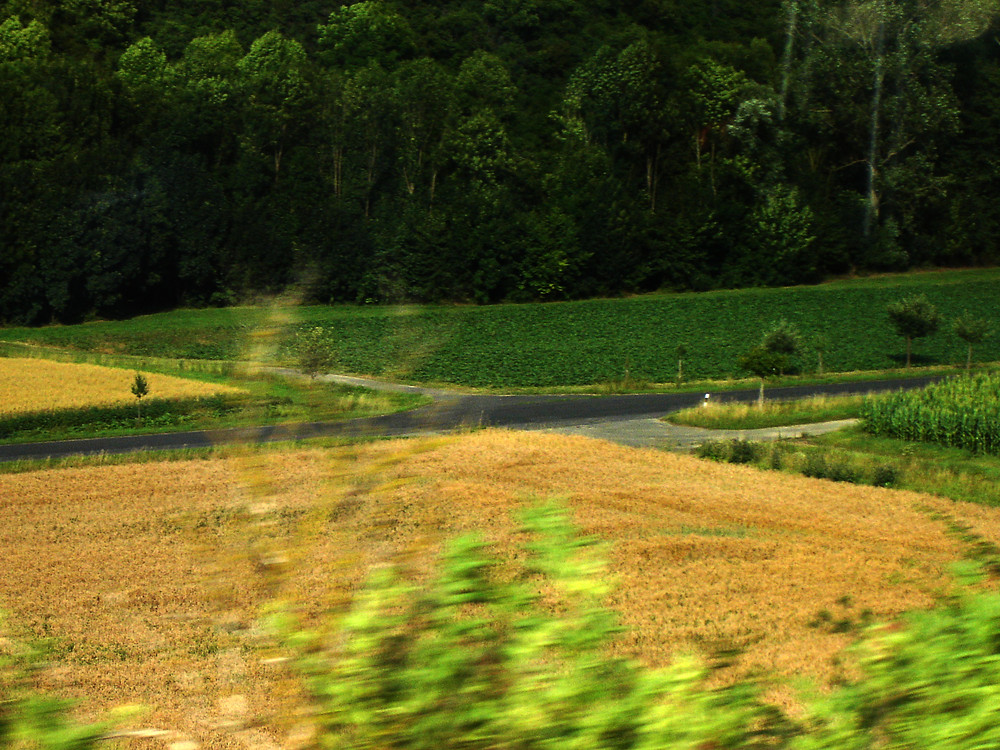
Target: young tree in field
681,353
312,351
763,363
140,389
820,344
971,331
783,338
914,317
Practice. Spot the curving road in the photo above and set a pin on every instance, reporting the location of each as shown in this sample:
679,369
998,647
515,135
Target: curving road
448,412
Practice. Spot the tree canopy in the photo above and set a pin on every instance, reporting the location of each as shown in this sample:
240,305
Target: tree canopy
160,154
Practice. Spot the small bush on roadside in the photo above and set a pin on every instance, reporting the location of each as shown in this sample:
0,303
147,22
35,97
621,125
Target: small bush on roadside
776,457
885,475
714,450
842,470
734,451
743,451
814,465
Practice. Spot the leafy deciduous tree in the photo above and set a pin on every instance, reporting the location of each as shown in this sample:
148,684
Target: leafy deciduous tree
913,318
972,331
140,389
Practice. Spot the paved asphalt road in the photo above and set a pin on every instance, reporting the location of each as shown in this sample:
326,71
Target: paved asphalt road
448,412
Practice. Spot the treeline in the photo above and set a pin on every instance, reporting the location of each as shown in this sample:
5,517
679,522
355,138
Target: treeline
155,154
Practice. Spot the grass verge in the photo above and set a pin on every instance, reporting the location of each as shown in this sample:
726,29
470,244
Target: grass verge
223,451
852,456
955,473
739,416
266,400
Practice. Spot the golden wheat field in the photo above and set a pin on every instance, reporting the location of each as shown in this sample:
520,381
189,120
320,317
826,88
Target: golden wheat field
28,385
150,577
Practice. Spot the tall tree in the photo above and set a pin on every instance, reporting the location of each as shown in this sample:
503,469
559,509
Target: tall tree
366,32
424,92
276,86
887,45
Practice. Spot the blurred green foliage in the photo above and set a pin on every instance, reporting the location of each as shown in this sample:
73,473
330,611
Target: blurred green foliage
30,721
485,655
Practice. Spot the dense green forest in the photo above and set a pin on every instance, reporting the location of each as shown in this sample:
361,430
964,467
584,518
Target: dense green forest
155,154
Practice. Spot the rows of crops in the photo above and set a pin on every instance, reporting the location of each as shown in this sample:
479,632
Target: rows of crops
595,341
573,343
961,412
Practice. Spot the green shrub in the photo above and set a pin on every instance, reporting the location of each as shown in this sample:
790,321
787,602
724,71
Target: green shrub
815,465
930,682
477,658
842,470
714,450
776,457
743,451
733,451
885,475
313,350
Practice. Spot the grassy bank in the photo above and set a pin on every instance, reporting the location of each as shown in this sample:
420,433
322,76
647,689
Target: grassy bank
261,401
855,457
955,473
567,343
738,416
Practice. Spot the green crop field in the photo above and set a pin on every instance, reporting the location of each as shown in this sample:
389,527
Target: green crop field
568,343
961,412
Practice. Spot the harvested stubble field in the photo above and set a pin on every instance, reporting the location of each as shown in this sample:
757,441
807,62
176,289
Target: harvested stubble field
149,577
32,385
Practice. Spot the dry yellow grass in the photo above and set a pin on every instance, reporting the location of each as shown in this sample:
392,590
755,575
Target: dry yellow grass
150,576
28,385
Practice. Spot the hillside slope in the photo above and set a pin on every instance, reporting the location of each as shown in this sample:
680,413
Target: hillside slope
150,576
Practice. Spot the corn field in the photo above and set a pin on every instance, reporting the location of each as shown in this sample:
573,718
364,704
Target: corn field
961,412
